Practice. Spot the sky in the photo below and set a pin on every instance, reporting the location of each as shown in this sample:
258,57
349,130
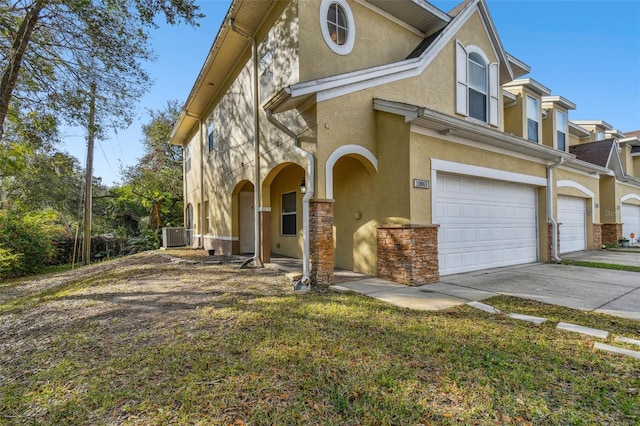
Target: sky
586,51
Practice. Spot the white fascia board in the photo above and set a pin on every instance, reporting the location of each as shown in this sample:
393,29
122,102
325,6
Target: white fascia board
530,84
517,62
586,167
501,54
560,101
485,172
633,141
600,123
578,130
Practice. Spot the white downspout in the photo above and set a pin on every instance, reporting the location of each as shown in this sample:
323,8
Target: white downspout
201,212
554,224
256,146
310,185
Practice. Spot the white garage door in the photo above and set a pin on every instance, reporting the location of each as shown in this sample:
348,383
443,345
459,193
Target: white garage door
572,217
484,223
630,220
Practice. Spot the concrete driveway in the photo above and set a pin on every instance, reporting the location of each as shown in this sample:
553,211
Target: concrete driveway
600,290
591,289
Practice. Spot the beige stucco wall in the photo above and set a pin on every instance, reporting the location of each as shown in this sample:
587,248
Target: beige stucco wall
230,165
425,148
378,41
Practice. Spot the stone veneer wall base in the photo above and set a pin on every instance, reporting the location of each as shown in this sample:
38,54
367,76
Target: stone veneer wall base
408,254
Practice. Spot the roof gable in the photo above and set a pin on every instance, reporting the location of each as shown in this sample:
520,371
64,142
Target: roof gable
415,64
598,153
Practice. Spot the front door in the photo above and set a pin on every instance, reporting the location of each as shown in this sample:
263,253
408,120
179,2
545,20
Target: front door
247,228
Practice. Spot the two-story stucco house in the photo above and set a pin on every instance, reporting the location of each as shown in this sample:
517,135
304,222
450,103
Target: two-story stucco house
384,137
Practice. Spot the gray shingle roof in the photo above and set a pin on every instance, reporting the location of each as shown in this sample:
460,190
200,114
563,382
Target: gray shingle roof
597,153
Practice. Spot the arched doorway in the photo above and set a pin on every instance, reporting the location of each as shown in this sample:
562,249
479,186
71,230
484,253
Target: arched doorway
243,199
350,170
282,201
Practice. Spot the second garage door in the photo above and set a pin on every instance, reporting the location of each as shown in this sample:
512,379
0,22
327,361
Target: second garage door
572,218
630,220
484,223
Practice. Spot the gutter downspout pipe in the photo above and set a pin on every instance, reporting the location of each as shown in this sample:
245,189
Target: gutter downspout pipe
201,212
305,282
554,224
256,147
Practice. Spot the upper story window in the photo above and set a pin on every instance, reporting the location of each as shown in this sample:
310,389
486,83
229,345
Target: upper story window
210,137
187,159
561,130
477,85
599,135
338,25
533,119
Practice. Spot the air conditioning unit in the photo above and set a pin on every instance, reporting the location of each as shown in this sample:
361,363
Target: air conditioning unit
174,237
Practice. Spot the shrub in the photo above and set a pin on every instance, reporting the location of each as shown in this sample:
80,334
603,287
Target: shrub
26,241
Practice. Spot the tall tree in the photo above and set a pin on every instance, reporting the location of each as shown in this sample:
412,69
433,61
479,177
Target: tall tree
157,178
51,51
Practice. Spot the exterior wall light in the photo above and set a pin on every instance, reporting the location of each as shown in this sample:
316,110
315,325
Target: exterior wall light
303,187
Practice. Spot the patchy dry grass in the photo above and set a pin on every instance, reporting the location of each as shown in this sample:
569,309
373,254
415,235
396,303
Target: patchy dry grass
148,341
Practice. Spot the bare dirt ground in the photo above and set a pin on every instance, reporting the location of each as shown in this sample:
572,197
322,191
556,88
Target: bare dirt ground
123,299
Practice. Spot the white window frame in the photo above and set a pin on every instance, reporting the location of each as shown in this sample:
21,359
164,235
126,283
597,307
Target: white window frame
561,115
533,115
347,47
293,213
462,83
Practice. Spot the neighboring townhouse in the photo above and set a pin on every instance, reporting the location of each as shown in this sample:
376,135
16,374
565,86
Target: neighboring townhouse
601,145
384,137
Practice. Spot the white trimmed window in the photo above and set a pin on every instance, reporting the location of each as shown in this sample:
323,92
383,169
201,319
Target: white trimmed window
288,222
477,85
561,130
337,25
533,119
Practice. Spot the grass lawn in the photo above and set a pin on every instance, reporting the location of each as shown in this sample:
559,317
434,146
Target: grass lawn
155,342
601,265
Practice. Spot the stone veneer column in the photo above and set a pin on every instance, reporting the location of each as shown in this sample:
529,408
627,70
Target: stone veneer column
611,233
597,236
550,241
408,254
321,251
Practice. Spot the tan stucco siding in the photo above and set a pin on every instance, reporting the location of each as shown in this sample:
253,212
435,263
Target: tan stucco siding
424,148
576,184
378,41
230,165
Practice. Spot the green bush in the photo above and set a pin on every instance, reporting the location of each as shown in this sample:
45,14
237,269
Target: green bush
26,241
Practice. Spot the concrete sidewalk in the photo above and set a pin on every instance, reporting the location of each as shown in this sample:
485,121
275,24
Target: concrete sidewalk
607,291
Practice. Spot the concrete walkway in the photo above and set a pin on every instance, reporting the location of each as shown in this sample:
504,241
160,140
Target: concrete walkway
612,292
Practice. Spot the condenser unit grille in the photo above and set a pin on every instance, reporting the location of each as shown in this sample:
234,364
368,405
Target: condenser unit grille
174,237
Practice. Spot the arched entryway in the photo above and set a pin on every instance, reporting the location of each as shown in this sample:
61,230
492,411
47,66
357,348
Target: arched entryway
282,211
350,172
243,218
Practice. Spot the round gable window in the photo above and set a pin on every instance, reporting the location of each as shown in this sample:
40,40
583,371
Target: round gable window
338,27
